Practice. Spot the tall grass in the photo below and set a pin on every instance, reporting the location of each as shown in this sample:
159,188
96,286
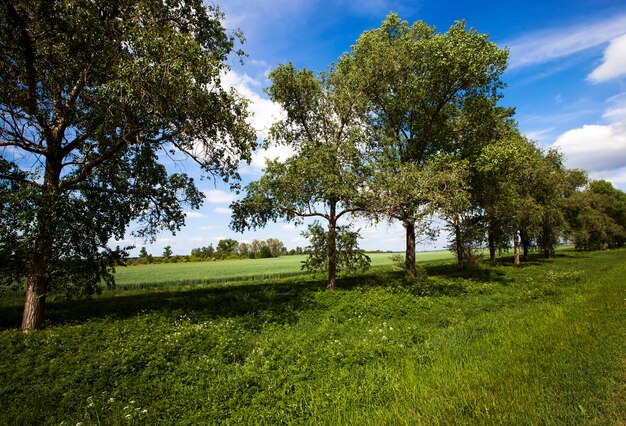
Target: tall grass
541,344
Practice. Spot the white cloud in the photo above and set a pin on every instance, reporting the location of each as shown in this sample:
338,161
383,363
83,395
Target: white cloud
273,152
617,177
193,214
614,64
216,196
539,135
598,147
264,112
544,46
222,210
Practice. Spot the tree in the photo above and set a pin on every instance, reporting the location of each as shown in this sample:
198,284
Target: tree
143,253
551,185
243,249
597,217
265,252
349,256
167,252
92,95
227,248
509,165
326,177
414,83
203,252
276,246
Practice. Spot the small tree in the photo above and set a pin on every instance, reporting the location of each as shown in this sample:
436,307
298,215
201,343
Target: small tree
265,252
227,248
349,256
143,253
167,252
327,176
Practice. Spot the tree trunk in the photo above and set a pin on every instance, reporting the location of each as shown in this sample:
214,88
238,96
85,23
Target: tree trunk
35,301
515,250
548,247
409,263
525,243
41,256
491,241
332,248
458,242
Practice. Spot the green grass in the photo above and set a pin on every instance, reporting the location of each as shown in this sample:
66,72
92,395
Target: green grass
540,344
143,276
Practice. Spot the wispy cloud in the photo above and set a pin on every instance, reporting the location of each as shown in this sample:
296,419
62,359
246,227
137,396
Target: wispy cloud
216,196
221,210
614,64
544,46
193,214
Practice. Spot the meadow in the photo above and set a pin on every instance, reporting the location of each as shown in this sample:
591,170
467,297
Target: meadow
164,274
539,344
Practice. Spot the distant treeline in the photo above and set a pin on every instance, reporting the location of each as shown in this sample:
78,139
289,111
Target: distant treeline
225,249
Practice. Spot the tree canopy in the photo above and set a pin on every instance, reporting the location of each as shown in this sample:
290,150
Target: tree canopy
326,177
94,96
414,85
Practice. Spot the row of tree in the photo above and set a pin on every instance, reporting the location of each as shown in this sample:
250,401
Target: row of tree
94,96
407,127
225,249
230,249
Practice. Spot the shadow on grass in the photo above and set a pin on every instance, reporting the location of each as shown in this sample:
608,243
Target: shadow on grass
269,302
278,302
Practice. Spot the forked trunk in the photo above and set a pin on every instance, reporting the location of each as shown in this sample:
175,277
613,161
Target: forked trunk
410,249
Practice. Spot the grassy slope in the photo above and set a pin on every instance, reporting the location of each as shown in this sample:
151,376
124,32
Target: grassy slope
542,344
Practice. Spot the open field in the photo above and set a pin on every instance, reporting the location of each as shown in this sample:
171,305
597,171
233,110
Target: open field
229,270
540,344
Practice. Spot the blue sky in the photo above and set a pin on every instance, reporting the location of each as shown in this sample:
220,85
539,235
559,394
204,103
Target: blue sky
566,78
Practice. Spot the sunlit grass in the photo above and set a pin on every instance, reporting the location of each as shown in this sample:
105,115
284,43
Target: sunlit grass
228,270
540,344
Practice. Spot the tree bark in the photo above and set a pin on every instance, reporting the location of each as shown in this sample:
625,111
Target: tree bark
548,247
516,261
409,263
491,241
525,244
332,247
458,242
33,315
35,301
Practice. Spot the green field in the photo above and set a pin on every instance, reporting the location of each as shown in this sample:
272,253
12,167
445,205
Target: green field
229,270
541,344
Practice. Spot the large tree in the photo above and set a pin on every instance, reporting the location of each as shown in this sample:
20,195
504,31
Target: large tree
597,217
94,96
326,177
415,83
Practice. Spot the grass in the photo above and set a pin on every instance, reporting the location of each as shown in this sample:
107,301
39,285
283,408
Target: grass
158,275
540,344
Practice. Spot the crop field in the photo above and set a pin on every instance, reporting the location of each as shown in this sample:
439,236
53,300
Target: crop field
141,276
541,344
